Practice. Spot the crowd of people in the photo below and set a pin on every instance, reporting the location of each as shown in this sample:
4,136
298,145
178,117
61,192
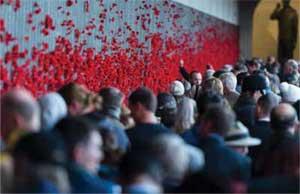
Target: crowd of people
232,130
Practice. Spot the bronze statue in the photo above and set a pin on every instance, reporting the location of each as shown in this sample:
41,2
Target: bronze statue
288,30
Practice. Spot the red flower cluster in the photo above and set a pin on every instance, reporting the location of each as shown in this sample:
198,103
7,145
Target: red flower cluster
48,24
123,61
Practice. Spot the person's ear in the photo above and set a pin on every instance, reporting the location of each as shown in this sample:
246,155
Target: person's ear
206,127
257,110
139,106
257,95
78,153
74,108
19,121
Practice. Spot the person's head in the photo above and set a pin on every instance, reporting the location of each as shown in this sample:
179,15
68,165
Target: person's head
255,86
177,88
83,142
213,84
39,149
207,98
170,150
286,2
185,116
229,81
39,156
218,73
283,118
142,102
112,99
265,104
271,59
136,165
19,110
166,109
53,108
239,139
253,65
239,68
76,97
218,119
209,73
240,78
290,67
196,78
289,92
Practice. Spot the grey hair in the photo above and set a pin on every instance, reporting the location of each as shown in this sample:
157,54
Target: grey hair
20,101
185,115
171,151
53,108
293,63
229,80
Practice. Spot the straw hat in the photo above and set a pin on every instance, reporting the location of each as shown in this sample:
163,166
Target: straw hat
239,136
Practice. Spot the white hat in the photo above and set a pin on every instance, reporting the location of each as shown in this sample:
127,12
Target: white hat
239,136
289,92
177,88
53,108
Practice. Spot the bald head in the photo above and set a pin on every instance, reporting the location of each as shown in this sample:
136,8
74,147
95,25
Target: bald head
283,117
19,110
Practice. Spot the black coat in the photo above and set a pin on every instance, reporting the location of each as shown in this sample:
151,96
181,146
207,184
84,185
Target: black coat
273,158
222,161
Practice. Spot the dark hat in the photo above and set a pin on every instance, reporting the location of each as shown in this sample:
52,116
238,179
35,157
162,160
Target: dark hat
41,148
166,101
254,83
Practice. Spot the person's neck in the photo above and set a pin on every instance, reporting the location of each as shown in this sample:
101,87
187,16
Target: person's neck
147,117
264,118
227,91
146,180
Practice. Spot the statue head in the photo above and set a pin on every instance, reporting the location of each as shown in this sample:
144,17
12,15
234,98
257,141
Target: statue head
286,2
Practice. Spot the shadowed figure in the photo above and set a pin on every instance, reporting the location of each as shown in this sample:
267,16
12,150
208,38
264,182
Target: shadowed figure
288,30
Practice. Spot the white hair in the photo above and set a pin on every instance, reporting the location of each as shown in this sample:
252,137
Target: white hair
229,80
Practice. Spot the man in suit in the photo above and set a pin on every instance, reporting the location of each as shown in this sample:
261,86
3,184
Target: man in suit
222,161
279,161
284,122
195,78
262,128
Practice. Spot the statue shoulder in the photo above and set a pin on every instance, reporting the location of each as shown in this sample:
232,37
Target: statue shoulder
293,11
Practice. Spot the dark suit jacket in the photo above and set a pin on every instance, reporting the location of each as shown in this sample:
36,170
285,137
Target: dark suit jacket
262,131
245,110
222,161
272,158
184,73
275,184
